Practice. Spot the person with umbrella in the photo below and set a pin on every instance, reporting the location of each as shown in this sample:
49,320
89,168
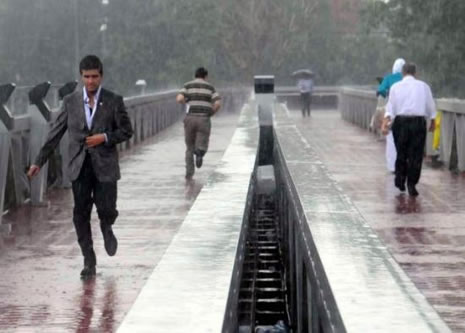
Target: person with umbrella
305,85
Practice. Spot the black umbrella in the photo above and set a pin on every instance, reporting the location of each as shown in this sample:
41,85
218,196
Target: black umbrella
303,72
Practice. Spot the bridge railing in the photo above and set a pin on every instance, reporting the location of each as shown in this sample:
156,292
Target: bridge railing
358,106
23,132
322,96
452,139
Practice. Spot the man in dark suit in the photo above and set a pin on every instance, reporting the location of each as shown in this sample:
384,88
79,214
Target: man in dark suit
96,120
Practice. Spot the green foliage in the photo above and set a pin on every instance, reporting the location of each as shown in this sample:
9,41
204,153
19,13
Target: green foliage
431,34
164,41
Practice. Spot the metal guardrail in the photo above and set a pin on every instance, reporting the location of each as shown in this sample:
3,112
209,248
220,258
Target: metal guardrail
322,97
358,106
23,133
452,139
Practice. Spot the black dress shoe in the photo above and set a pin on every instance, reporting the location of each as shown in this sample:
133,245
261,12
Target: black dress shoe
111,243
399,185
88,271
412,190
198,160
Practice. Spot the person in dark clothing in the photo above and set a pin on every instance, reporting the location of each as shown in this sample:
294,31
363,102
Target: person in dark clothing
96,121
305,85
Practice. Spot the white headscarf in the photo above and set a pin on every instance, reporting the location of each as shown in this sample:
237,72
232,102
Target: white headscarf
398,64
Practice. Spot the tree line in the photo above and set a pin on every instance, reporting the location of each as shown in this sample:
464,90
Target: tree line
428,33
163,41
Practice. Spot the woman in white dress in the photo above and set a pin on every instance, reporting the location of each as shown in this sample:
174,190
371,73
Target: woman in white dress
383,90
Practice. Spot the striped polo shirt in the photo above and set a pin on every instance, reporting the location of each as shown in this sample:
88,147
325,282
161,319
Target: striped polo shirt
200,95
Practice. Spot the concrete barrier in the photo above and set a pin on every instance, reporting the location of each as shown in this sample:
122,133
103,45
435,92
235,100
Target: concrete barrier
189,290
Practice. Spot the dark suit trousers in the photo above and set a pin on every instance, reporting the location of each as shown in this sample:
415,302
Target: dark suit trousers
409,137
87,190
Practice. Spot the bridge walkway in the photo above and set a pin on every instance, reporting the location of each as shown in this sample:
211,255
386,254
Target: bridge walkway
40,262
426,235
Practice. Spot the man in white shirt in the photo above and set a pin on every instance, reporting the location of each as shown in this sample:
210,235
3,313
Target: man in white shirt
410,104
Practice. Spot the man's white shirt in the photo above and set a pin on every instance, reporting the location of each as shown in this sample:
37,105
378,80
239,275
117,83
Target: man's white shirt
90,114
410,97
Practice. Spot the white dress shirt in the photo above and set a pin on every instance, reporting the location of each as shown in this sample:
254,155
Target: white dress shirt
410,97
87,109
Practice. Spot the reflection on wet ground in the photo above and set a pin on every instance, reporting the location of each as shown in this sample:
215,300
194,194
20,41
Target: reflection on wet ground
406,204
40,262
426,234
86,306
192,189
102,309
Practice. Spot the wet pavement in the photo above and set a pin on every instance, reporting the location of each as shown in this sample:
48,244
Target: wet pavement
40,289
426,235
40,262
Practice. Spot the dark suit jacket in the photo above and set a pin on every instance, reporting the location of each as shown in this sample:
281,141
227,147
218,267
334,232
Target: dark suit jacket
111,118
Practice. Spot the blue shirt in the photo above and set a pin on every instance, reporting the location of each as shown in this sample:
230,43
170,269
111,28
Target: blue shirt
305,85
386,84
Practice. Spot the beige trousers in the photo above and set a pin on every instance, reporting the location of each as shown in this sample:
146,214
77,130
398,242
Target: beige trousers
196,134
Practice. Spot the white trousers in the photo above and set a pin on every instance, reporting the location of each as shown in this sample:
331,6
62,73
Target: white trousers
391,153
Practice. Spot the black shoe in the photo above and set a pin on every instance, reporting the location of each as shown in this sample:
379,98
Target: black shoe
399,185
88,272
198,161
111,243
412,190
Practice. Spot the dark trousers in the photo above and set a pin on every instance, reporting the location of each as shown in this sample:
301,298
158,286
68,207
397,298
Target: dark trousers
87,190
409,137
306,99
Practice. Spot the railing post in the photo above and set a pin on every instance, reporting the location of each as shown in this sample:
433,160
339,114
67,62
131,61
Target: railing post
6,121
39,130
64,180
17,147
5,115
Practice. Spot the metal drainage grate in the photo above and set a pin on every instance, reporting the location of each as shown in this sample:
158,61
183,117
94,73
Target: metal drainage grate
262,301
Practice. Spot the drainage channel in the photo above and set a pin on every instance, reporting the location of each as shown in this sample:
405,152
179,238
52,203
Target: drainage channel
262,297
